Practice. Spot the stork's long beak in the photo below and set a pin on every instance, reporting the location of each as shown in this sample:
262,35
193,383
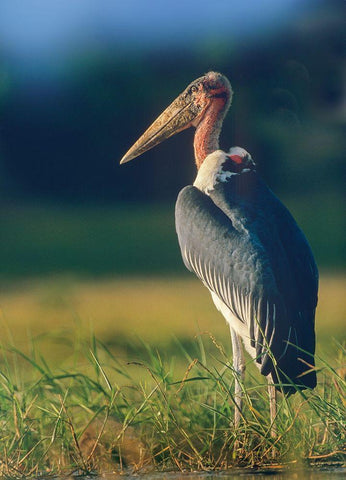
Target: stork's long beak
174,119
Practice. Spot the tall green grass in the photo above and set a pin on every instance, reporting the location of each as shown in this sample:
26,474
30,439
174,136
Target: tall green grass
103,414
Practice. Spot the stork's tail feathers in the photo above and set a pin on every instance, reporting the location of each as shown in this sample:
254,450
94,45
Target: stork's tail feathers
294,371
291,383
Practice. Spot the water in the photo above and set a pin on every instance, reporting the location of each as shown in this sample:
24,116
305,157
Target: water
325,473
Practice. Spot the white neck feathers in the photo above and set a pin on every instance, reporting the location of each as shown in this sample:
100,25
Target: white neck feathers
211,172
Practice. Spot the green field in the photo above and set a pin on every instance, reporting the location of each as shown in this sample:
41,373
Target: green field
134,372
134,239
113,356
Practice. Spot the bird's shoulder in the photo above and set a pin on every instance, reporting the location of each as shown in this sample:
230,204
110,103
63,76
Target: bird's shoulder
246,232
252,206
211,237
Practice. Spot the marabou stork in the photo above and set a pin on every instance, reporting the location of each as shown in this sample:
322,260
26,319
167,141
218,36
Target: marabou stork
243,244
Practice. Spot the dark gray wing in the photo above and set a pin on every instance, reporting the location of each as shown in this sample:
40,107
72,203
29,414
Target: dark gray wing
248,201
301,293
232,264
236,254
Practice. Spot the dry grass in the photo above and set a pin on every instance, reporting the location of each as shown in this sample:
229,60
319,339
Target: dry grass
153,309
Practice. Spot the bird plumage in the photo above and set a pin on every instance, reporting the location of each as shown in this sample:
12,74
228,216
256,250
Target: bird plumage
245,246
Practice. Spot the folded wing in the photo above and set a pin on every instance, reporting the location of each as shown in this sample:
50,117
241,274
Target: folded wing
247,259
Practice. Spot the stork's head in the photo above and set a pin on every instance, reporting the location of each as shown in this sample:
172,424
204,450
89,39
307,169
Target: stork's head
206,98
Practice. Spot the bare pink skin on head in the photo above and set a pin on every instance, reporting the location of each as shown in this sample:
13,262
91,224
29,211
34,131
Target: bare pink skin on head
216,94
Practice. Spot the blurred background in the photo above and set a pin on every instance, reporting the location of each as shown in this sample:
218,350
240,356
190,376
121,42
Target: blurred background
81,80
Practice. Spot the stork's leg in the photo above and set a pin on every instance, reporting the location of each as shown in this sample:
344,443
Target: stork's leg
239,367
272,406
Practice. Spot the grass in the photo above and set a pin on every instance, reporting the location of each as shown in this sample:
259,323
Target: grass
121,310
91,396
99,417
154,391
